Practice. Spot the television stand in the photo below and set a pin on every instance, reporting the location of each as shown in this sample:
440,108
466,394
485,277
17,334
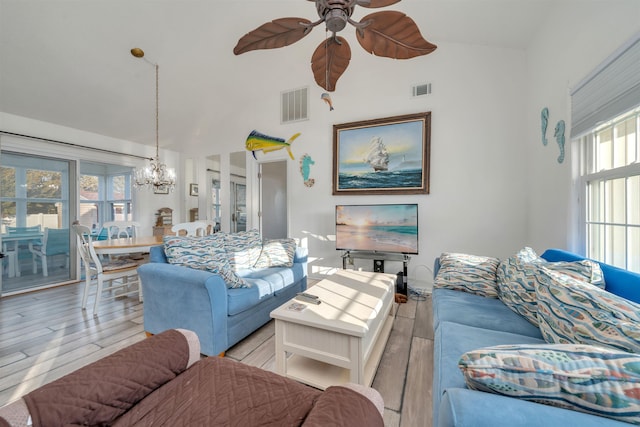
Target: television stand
387,256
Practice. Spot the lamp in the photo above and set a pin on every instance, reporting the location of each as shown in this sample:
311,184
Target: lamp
156,175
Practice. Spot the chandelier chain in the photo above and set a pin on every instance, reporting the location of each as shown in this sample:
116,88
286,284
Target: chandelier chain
157,115
156,175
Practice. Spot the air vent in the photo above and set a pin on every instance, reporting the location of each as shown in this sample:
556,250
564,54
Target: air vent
295,105
421,90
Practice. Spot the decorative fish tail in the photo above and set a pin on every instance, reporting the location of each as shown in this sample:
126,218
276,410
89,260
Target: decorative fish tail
289,144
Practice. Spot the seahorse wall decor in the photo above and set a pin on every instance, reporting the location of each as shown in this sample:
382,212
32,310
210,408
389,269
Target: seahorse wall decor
305,169
544,121
559,134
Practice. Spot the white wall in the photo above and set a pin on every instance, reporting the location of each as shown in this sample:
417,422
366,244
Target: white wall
572,43
476,203
145,203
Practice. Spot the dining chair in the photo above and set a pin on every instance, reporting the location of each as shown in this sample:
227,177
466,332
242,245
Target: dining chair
118,229
120,275
196,228
13,251
212,226
55,241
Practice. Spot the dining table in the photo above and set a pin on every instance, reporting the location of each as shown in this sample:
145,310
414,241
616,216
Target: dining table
126,245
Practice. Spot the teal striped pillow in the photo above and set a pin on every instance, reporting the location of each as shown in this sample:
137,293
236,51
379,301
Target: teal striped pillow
277,253
202,253
584,378
573,311
518,275
243,248
468,273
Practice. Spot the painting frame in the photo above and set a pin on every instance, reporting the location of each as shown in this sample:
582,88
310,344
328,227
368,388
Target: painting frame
359,166
161,189
193,189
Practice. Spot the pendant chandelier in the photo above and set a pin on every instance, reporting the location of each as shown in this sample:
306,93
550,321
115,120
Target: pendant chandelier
156,175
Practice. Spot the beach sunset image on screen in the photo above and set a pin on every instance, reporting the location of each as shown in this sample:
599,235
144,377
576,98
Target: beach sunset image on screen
378,228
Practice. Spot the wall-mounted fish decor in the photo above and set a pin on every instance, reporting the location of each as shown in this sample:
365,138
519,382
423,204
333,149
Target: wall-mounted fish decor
559,134
257,141
544,121
327,98
305,169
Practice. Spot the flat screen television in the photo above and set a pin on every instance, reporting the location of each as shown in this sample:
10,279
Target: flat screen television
377,228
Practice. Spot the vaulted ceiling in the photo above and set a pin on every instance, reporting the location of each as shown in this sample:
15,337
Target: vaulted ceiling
68,61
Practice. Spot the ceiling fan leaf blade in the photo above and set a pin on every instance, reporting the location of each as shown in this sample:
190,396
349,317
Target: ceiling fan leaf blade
277,33
394,35
329,61
372,4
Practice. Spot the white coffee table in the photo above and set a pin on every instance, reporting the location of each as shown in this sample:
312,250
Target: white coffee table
342,339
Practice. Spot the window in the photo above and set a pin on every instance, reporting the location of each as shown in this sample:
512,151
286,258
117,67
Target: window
610,177
33,191
105,194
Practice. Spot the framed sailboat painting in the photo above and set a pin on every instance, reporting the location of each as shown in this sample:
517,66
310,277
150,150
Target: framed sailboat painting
382,156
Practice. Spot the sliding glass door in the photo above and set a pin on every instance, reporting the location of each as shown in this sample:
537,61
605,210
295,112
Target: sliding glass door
35,201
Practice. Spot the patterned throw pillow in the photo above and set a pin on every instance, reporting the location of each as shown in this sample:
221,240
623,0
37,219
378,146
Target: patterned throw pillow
277,253
202,253
243,248
583,378
573,311
468,273
518,275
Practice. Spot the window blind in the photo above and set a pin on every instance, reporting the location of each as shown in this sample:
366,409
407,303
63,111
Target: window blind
613,88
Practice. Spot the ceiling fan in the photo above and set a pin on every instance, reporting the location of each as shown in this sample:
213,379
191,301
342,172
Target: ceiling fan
388,33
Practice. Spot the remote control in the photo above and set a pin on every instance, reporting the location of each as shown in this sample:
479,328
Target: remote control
309,300
306,295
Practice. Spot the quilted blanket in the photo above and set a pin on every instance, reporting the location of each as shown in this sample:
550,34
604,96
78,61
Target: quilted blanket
222,392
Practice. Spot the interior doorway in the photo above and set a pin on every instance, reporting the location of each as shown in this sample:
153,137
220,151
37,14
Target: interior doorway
273,200
238,207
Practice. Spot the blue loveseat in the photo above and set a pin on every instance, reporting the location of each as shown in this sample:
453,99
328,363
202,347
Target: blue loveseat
464,322
177,297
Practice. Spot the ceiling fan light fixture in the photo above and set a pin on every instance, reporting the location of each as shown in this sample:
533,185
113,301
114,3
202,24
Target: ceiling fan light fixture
388,34
336,20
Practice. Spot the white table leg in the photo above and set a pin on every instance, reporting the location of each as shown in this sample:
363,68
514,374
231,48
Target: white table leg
356,371
281,356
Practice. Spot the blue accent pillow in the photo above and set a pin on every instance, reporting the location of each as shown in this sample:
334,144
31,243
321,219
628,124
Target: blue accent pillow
243,248
584,378
276,253
517,277
573,311
468,273
202,253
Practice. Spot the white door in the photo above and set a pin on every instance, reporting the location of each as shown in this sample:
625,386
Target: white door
273,200
35,200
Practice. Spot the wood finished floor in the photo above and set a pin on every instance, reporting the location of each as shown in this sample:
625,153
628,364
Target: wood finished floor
45,335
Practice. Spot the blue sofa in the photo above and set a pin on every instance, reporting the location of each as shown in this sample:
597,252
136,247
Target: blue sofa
177,297
463,322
